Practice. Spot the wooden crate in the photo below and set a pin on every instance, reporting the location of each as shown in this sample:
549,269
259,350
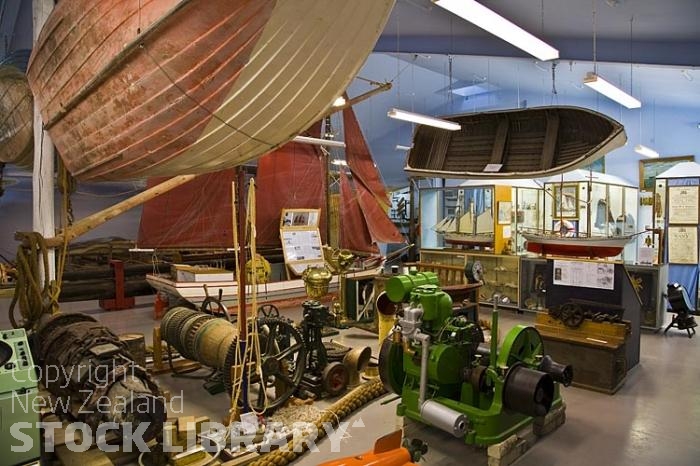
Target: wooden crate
595,350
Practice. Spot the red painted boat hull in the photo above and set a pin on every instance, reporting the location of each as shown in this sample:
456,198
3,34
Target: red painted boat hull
129,90
577,247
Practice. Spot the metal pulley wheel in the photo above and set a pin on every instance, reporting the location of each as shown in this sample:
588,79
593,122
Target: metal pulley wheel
268,310
572,315
391,370
522,344
283,357
335,378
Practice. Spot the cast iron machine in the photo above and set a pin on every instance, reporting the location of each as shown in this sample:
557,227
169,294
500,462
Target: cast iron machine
446,379
321,374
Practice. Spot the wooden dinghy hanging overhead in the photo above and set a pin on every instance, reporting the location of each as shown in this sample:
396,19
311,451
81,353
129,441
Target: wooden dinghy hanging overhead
16,118
165,87
521,143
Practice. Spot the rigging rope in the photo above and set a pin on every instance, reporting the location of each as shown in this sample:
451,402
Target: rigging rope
252,348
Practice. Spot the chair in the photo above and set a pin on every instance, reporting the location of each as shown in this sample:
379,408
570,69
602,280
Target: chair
680,306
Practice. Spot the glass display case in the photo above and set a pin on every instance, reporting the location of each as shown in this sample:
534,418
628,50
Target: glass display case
592,204
532,283
528,204
480,216
498,273
456,216
650,284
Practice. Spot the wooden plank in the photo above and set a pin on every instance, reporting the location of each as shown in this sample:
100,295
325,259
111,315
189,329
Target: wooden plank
550,140
499,143
90,222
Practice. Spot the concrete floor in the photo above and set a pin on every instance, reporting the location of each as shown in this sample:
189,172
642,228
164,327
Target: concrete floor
654,419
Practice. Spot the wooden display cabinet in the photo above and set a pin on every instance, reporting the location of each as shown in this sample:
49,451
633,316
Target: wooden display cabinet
498,273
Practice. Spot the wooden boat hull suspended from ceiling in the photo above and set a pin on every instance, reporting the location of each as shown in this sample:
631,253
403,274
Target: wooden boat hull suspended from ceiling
158,88
16,118
529,143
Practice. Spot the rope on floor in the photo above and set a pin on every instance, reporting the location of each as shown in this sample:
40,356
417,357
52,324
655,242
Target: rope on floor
354,400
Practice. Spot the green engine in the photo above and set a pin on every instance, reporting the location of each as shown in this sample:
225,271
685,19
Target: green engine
449,379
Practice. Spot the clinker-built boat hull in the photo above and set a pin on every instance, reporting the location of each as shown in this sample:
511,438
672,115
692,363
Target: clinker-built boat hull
526,143
16,118
164,87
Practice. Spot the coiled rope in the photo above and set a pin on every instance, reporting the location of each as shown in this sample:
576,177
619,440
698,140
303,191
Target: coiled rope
35,292
296,447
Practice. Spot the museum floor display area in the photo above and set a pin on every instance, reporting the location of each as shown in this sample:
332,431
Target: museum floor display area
378,232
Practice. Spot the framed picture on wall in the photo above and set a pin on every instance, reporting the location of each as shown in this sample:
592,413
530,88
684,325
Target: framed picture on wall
505,212
683,244
683,204
648,169
565,199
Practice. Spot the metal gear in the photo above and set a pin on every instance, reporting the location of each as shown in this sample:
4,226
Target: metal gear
283,356
268,310
572,315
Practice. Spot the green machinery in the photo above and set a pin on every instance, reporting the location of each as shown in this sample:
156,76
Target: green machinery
447,378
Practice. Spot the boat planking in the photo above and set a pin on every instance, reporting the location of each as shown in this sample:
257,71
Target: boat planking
526,143
16,118
163,87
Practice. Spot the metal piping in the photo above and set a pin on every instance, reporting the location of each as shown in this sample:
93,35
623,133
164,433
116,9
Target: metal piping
425,342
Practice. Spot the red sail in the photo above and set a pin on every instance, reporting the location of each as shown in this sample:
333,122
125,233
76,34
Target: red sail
194,215
354,233
381,229
291,177
370,192
360,159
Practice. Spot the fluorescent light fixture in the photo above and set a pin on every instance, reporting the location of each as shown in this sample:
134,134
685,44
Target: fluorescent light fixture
402,147
486,19
339,162
423,119
610,91
646,151
141,250
493,167
318,141
339,101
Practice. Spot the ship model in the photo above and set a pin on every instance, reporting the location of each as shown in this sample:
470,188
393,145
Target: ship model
467,228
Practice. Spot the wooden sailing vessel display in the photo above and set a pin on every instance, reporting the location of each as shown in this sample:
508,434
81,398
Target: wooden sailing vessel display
16,118
179,216
600,235
520,143
560,244
467,228
163,87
